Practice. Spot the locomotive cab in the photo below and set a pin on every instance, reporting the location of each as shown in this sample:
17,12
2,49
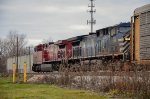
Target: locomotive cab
37,58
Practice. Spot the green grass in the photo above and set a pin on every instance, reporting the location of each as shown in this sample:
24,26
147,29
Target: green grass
8,90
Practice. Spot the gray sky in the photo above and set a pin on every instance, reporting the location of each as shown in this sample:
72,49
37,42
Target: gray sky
61,19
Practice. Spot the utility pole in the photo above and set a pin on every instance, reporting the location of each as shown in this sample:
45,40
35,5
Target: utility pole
30,57
17,56
91,11
16,66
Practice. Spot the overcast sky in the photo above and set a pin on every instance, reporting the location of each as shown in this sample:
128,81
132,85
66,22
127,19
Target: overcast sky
61,19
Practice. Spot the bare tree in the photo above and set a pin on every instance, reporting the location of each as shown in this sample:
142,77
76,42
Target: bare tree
2,56
8,47
11,43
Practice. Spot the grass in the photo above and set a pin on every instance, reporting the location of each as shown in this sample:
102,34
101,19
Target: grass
8,90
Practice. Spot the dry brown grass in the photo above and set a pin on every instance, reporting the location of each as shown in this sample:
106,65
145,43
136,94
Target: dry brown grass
118,83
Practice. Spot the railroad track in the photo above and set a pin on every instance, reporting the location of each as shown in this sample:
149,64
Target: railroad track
99,73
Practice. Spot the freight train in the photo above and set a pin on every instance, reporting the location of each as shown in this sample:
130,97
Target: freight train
108,48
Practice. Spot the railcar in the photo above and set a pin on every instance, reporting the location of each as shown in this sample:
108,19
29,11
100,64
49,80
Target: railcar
140,36
76,46
88,46
41,58
64,49
81,50
111,40
37,58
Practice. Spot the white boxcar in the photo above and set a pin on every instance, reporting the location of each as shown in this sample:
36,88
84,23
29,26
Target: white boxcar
28,59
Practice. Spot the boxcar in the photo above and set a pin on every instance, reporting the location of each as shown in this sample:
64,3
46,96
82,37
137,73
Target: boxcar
140,35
